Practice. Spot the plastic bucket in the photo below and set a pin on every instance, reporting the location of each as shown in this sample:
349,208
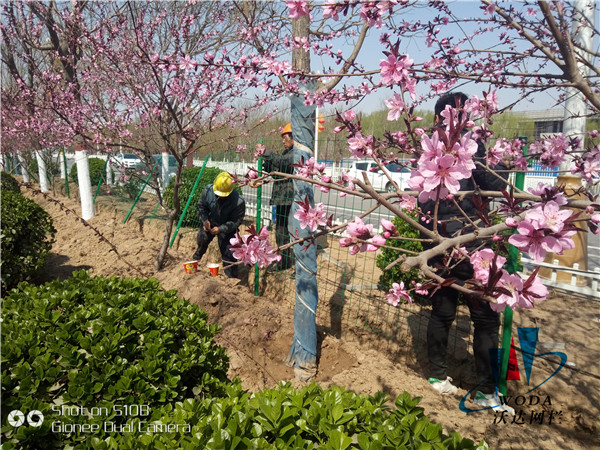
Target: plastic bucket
214,269
190,267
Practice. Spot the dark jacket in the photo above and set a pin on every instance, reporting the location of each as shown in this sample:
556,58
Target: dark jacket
227,213
448,211
283,191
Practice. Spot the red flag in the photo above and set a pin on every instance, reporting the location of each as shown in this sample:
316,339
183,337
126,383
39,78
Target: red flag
512,372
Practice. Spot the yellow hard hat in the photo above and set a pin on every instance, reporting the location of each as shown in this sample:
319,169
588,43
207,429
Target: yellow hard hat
287,129
223,185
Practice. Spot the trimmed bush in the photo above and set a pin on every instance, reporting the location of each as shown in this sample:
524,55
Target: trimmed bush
9,183
104,343
286,418
188,178
27,237
97,171
387,256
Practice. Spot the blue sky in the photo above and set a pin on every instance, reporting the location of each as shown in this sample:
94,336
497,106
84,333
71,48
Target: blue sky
417,49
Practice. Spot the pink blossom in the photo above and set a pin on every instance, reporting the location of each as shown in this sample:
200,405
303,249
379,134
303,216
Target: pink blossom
513,283
482,263
397,293
330,10
534,241
544,189
419,289
596,218
359,232
395,70
396,107
311,217
536,292
252,174
409,203
311,168
360,146
349,115
511,222
389,226
259,150
254,248
549,216
298,8
443,171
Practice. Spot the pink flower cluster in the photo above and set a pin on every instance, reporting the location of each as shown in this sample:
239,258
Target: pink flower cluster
394,70
361,146
311,167
441,166
510,290
543,230
311,217
551,151
254,248
360,233
397,294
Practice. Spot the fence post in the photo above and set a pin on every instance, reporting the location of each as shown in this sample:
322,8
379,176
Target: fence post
258,220
512,266
137,198
165,167
187,204
84,182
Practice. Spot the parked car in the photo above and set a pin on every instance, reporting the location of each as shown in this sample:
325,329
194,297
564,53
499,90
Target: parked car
157,165
126,160
378,178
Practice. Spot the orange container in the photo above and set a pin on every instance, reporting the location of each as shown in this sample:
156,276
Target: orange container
190,267
214,269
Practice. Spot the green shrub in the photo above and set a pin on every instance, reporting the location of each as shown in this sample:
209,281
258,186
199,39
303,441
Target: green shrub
102,342
97,171
188,178
9,183
286,418
27,237
386,256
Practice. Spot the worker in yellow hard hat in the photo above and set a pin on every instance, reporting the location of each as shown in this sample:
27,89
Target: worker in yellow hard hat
282,196
221,210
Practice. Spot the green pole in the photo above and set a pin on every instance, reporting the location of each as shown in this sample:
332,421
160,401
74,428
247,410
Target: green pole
66,173
258,220
137,198
512,266
189,200
100,181
154,212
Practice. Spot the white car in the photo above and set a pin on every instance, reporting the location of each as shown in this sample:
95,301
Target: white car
126,160
377,178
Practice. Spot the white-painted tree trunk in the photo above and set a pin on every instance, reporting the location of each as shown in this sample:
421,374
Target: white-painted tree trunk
42,171
85,184
165,168
24,168
61,163
109,172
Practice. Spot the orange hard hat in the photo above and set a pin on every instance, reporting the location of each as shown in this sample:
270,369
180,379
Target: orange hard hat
287,129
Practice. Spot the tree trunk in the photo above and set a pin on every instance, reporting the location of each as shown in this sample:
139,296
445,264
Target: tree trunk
162,253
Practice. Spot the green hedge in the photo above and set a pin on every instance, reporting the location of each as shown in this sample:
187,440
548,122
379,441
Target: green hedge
188,178
387,256
286,418
27,237
97,171
9,183
101,342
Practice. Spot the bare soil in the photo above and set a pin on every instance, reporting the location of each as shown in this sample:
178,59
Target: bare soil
380,351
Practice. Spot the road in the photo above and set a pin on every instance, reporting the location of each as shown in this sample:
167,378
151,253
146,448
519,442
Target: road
346,208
